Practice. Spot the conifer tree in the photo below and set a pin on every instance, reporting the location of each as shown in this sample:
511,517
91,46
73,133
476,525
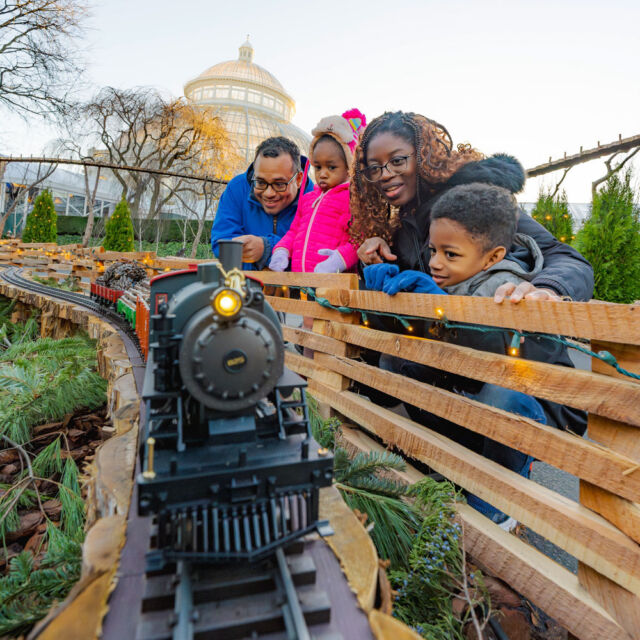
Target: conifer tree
119,229
610,240
42,222
552,212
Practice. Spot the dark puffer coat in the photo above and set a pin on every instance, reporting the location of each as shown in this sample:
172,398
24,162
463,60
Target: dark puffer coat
565,270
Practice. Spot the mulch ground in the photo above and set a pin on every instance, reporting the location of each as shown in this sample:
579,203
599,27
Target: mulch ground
82,432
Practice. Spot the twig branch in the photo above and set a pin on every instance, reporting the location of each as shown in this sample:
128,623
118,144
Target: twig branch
564,175
611,170
23,452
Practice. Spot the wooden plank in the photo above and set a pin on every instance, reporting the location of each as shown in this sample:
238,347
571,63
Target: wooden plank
572,527
304,366
627,356
551,587
622,605
548,585
352,545
311,309
593,392
606,321
308,368
618,601
314,341
289,279
624,514
559,448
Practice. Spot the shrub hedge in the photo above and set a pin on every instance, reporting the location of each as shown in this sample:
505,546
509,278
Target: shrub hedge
170,230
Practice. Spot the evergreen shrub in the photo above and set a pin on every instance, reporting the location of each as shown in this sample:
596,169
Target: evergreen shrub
610,240
170,230
552,212
119,229
41,225
72,225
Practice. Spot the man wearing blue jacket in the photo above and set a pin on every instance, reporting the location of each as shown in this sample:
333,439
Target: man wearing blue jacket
258,206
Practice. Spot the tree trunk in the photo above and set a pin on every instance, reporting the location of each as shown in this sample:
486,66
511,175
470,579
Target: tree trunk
91,197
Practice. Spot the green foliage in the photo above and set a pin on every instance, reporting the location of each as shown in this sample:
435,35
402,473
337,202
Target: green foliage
119,229
41,225
43,379
72,515
553,214
167,231
49,461
610,240
394,521
164,249
40,381
436,572
69,283
13,333
324,431
28,591
71,225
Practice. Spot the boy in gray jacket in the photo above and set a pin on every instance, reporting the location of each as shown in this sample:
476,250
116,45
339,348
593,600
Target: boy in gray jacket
472,227
474,249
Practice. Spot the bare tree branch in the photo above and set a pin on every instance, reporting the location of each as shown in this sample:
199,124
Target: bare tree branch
611,169
564,175
24,188
40,61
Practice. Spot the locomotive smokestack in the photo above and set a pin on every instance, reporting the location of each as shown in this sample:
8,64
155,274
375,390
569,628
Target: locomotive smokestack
230,254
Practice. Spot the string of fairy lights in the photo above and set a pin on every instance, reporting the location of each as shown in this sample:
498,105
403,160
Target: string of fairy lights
516,340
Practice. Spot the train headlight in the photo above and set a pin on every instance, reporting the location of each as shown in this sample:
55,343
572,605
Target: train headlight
227,303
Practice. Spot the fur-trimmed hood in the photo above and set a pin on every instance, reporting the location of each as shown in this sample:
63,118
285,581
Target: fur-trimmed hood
500,170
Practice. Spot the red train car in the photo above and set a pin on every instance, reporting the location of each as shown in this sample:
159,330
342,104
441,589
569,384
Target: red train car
105,294
142,325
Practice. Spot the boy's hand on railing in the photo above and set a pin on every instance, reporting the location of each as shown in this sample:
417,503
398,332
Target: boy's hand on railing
415,281
524,290
376,275
333,264
279,260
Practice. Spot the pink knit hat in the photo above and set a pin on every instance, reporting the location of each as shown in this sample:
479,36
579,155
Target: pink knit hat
345,130
358,121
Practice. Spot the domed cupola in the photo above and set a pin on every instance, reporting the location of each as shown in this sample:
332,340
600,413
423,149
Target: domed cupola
250,100
246,51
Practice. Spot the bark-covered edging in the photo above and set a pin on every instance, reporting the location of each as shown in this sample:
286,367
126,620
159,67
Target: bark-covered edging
109,481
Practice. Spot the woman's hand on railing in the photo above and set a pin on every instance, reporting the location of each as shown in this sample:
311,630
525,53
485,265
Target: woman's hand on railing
523,291
374,251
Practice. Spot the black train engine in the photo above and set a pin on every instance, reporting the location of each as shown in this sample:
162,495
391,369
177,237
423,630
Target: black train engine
230,468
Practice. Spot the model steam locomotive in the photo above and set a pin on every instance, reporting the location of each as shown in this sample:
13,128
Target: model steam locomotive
230,469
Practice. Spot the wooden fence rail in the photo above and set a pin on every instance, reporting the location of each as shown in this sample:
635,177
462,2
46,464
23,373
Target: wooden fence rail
602,530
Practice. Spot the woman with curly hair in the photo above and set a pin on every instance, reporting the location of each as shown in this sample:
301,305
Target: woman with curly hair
404,163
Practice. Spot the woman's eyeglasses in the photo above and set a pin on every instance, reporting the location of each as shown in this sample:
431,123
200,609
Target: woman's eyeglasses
395,166
279,186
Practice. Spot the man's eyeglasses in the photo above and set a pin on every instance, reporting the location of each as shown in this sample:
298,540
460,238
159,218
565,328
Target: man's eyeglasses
279,186
395,166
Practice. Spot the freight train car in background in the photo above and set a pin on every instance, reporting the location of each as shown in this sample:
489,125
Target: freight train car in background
131,302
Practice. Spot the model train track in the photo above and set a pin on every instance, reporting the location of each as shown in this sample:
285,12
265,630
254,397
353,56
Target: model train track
298,593
13,276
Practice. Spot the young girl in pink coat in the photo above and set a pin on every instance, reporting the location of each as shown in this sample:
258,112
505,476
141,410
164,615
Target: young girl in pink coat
318,239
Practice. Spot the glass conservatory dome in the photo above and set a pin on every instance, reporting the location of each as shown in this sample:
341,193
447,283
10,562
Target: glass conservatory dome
250,100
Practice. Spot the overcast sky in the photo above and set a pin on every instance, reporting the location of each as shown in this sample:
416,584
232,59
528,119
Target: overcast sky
534,79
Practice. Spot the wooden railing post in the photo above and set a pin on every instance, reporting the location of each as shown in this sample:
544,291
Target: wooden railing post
621,604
